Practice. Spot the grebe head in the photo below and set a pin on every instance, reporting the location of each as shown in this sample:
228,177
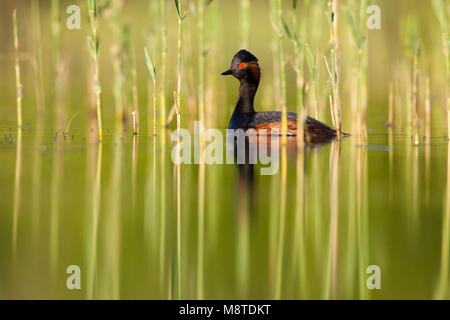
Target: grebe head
244,67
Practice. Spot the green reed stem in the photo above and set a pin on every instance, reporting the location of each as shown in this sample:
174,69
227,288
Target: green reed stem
201,61
118,90
298,44
117,54
299,235
178,3
312,66
335,76
391,106
18,169
274,47
415,75
442,12
163,63
282,71
245,23
276,8
427,110
163,140
37,39
390,125
178,111
135,94
311,19
17,193
58,99
93,49
162,80
56,38
201,185
152,71
40,121
359,33
19,87
56,28
362,78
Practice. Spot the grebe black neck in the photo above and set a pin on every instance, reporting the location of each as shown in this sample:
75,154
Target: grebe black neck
247,92
245,68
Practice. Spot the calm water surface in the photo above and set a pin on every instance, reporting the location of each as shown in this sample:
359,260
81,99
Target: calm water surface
310,231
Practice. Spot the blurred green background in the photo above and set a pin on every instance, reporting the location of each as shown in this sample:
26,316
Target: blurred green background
111,207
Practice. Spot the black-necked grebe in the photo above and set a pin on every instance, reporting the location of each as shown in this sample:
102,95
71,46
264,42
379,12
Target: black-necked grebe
245,68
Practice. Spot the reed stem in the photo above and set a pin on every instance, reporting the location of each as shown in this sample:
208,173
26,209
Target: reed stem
442,11
178,109
59,67
93,195
163,63
245,23
152,71
427,107
178,187
312,65
179,57
19,87
362,74
40,121
359,32
415,74
117,60
391,106
39,79
135,129
201,63
201,183
18,167
93,48
134,91
279,10
162,80
298,68
335,72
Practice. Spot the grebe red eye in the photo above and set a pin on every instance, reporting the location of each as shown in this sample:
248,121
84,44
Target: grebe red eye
241,66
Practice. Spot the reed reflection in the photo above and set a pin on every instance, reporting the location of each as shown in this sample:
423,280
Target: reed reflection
442,287
17,186
112,231
247,209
